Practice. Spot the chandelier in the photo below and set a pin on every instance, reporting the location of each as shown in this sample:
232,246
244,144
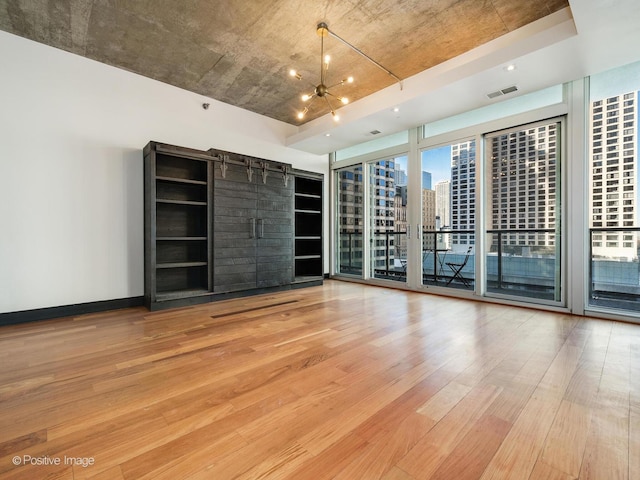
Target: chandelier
322,90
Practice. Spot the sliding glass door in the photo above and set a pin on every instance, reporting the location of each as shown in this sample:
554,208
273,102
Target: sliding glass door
448,209
388,219
372,220
350,221
523,252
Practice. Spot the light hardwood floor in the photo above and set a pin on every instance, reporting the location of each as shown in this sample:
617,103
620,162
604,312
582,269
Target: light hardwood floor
343,381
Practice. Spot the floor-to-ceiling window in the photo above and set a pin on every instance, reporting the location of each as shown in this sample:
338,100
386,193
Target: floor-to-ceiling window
614,233
417,218
487,203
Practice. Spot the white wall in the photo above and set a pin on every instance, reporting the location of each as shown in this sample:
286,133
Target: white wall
71,188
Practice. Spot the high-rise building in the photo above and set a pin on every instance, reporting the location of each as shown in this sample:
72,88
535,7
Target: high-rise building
400,175
614,175
524,188
382,191
463,191
428,218
400,222
443,203
351,199
426,180
350,219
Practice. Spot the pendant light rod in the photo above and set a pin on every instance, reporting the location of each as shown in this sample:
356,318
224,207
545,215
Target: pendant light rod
322,60
322,28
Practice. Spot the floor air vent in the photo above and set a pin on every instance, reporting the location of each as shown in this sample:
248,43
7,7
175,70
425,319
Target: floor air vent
253,309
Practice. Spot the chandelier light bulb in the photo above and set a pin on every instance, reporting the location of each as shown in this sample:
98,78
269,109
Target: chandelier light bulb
327,59
336,117
305,97
303,113
344,100
350,80
295,74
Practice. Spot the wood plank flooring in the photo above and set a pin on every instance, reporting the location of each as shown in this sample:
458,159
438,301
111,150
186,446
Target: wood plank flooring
343,381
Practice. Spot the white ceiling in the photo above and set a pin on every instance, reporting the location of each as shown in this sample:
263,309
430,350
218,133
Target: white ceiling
594,36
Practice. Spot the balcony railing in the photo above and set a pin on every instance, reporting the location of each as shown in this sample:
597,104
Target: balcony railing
614,269
389,256
442,248
524,262
519,262
350,252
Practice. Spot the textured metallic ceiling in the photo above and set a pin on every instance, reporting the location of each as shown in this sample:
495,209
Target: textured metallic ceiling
240,51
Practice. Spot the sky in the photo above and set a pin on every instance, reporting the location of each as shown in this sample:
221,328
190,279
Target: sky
436,161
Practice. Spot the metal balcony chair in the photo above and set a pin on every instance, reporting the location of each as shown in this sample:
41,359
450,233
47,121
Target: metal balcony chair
456,268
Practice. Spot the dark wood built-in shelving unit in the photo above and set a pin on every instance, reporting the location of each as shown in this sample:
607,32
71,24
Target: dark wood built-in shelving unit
308,263
178,233
221,224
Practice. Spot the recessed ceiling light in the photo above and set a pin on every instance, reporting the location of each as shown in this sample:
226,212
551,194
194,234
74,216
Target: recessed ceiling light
396,109
510,68
327,134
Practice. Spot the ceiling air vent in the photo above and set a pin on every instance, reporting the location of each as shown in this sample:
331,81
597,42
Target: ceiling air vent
375,132
504,91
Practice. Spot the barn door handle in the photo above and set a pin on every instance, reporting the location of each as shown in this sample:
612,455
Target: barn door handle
261,228
252,230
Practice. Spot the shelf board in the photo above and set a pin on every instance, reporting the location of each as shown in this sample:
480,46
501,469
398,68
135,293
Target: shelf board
308,195
307,237
314,212
189,239
307,257
181,202
194,292
181,180
181,264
